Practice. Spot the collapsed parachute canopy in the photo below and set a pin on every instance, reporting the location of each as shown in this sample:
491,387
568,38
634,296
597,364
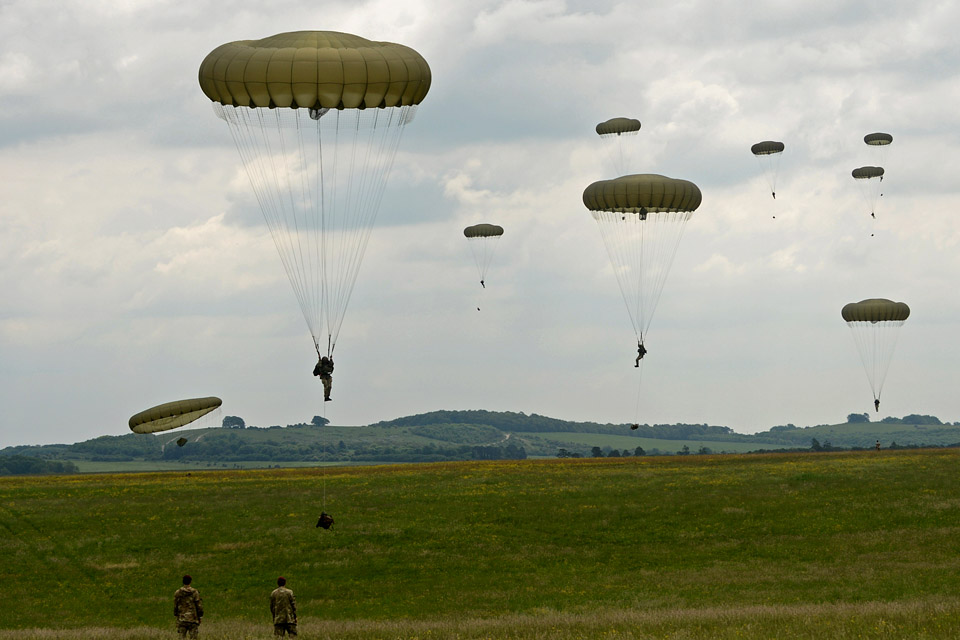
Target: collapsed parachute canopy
319,163
766,148
172,414
483,231
878,139
618,126
875,310
866,173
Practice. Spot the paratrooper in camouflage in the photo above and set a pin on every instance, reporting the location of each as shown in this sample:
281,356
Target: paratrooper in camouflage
283,607
188,609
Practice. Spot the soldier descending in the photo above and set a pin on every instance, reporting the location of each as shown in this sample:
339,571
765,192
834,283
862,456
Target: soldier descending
188,609
283,607
324,369
641,351
876,404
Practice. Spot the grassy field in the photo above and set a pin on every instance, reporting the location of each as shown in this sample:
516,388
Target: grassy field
629,443
846,545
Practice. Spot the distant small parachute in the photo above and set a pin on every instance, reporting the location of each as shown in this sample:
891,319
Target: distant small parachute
878,139
483,239
641,219
869,179
767,154
618,127
615,131
875,324
173,414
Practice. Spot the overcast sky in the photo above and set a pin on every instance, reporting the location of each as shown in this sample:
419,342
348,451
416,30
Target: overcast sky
131,273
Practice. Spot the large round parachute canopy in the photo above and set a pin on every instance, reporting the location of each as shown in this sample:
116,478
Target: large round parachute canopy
767,154
646,192
173,414
618,127
878,139
641,220
875,325
317,118
875,310
314,70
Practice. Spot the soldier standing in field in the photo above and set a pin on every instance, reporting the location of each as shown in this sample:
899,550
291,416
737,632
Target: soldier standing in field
283,606
188,609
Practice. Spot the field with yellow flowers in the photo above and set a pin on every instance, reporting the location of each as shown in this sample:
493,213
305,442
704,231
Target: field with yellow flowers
838,545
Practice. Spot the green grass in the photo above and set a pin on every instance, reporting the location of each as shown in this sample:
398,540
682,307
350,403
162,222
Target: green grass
629,443
778,545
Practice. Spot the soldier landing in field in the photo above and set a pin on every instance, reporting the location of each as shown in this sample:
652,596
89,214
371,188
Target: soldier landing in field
188,609
283,607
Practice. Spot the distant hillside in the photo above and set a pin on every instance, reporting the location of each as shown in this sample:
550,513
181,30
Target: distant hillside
464,435
911,430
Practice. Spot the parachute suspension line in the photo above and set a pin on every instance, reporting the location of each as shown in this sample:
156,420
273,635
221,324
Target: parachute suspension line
770,167
296,240
876,343
261,165
636,407
641,248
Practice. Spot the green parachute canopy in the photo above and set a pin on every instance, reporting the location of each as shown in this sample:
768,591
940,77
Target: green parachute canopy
171,415
875,310
315,70
618,127
483,230
317,118
645,192
878,139
866,173
767,147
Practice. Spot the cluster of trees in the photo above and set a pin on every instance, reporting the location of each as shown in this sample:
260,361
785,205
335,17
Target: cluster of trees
608,452
913,418
25,465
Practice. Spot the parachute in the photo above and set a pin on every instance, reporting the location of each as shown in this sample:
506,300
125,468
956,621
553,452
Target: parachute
317,117
869,179
181,441
641,219
615,130
482,239
875,324
171,415
768,155
878,139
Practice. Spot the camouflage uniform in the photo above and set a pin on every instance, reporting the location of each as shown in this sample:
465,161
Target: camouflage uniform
188,609
324,369
283,606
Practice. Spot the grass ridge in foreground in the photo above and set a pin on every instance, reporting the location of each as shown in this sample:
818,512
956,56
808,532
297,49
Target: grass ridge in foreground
778,545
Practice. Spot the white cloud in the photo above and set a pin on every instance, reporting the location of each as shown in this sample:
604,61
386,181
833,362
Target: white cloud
135,262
